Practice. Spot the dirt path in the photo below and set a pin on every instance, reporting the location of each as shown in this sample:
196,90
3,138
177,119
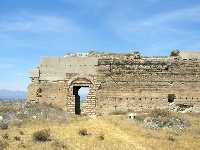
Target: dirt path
117,133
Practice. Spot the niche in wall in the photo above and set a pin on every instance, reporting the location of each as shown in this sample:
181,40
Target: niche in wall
171,98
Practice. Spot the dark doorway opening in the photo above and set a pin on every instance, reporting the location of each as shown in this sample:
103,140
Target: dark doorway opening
80,93
171,98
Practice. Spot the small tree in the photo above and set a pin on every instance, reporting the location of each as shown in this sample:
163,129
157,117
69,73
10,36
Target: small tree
175,53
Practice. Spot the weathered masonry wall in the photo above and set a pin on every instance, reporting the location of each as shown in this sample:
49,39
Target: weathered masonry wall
147,83
55,78
126,82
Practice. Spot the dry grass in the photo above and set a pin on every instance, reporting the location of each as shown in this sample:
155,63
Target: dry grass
10,106
106,133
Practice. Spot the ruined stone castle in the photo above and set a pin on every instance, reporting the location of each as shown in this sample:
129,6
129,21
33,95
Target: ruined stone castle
117,82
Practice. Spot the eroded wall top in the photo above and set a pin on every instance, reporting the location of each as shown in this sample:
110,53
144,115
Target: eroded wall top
189,55
56,68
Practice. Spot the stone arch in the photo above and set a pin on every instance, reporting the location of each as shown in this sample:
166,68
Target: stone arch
81,78
73,99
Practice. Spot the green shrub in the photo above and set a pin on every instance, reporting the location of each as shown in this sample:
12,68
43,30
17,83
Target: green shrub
3,125
41,136
17,138
171,138
21,132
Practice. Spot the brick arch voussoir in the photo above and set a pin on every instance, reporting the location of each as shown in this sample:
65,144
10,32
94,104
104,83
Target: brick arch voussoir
76,78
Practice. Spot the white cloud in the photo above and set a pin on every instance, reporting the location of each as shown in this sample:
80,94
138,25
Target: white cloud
187,14
158,33
37,24
156,26
159,21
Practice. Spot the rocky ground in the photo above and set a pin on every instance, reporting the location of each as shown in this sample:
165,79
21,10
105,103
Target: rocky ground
46,127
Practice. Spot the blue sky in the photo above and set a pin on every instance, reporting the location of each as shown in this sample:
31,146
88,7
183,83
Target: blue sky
30,29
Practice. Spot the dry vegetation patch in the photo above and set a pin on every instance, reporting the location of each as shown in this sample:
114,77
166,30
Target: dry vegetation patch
3,126
42,135
5,136
118,112
3,144
84,132
165,119
58,145
114,132
10,106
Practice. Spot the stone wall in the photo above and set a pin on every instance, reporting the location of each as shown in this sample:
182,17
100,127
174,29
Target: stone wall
146,83
54,79
125,82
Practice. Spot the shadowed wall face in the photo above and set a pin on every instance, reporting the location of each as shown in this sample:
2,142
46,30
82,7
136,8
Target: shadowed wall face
77,100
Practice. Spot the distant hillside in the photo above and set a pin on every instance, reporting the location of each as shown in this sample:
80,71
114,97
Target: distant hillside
12,95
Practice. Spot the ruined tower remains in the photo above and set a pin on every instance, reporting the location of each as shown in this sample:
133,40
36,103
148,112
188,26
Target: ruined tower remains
117,81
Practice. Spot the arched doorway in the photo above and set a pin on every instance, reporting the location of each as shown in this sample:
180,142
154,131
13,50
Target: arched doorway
74,100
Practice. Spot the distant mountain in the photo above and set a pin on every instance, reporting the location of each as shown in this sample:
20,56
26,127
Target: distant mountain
12,95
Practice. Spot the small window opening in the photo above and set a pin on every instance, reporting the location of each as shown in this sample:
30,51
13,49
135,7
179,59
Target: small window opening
171,98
